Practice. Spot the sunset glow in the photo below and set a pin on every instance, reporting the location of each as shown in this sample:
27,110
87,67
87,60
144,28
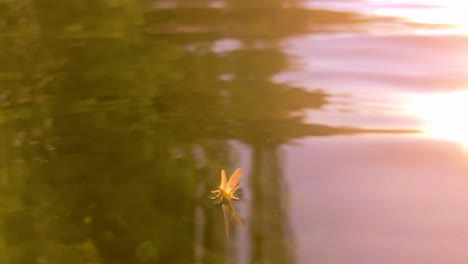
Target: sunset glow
450,12
443,115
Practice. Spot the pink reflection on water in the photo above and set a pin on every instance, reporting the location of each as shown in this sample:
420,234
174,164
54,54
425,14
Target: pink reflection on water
376,74
378,199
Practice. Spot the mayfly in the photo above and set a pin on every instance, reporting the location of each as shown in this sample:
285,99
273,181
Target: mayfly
225,193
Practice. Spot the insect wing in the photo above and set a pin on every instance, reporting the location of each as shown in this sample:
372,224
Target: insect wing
234,180
223,179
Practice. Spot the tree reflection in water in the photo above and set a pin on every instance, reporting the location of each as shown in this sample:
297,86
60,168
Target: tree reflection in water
114,115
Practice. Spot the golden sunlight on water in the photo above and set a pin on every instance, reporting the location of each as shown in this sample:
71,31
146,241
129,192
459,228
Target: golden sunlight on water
450,13
443,115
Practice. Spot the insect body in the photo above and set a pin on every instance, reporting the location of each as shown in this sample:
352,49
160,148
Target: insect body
225,193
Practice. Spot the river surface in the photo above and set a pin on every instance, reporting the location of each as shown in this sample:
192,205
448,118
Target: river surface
347,118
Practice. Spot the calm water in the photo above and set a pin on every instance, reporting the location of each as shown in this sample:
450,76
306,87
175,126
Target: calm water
347,117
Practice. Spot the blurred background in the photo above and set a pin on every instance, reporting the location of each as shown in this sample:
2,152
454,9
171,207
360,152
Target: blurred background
347,117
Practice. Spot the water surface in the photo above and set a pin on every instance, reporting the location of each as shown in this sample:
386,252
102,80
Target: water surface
116,118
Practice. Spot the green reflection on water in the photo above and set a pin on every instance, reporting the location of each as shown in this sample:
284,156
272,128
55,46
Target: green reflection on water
106,108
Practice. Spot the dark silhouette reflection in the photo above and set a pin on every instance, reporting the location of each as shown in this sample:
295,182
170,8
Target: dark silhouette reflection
114,113
271,237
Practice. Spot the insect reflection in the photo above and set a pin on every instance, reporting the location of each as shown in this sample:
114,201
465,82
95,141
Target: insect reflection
225,193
